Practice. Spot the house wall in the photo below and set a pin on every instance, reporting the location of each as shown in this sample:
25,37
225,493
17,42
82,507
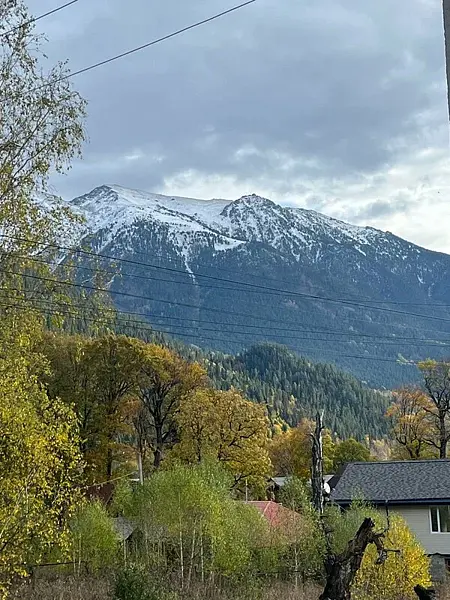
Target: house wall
418,519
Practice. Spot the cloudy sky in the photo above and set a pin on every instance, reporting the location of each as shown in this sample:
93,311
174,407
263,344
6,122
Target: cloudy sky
335,105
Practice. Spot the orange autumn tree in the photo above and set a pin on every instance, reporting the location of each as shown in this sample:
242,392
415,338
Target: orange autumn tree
412,424
224,426
291,452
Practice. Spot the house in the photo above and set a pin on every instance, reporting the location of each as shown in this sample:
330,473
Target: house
103,492
417,490
276,484
281,520
274,513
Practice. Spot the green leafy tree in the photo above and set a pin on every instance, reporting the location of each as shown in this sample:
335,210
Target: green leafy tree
189,521
349,451
94,540
304,545
40,131
226,427
295,495
41,128
98,377
164,380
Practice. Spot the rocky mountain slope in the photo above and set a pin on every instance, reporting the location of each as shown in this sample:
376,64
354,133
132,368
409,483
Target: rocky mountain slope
227,274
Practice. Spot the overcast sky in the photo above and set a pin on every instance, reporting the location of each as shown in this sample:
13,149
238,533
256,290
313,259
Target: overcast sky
335,105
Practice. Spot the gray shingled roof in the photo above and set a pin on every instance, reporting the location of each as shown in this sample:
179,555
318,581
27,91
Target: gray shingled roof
124,528
414,481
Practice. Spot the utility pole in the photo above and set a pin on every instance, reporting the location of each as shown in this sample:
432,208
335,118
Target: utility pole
446,12
317,464
140,469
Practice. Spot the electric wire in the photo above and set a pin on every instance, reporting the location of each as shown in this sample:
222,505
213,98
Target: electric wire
150,329
38,18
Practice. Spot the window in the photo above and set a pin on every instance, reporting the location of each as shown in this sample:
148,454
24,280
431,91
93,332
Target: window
440,519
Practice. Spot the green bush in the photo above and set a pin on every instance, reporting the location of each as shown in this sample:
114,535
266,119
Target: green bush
136,583
95,542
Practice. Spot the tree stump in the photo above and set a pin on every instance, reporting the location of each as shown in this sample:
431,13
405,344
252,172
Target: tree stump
341,569
424,594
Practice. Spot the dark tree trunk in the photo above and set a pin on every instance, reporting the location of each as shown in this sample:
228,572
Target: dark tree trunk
317,465
342,569
424,594
109,463
157,458
159,445
442,435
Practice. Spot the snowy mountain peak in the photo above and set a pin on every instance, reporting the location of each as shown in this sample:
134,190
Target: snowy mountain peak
189,226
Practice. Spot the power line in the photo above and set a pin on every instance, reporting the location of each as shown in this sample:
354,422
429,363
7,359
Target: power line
266,333
152,330
263,289
395,340
146,277
246,274
257,287
139,297
105,322
157,41
35,19
174,282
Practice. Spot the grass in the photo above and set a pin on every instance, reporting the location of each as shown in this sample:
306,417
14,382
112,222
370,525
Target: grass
94,588
64,588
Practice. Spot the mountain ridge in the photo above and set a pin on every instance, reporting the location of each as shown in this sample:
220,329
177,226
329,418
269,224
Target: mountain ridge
306,253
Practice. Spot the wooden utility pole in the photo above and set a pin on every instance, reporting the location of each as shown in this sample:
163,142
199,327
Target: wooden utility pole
317,465
446,11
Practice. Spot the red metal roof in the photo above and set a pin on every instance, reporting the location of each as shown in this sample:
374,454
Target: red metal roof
103,492
276,514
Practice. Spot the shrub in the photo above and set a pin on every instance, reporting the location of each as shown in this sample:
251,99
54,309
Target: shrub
135,583
94,540
396,578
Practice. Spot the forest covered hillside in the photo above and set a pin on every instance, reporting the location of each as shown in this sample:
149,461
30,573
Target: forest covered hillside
293,387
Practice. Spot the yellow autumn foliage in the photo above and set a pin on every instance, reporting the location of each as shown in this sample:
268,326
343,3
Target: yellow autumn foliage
226,427
396,578
39,461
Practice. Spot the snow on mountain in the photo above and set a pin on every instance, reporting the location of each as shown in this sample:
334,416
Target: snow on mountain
111,210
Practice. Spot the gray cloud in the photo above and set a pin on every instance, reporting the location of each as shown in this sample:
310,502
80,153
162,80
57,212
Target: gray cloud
381,209
339,87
